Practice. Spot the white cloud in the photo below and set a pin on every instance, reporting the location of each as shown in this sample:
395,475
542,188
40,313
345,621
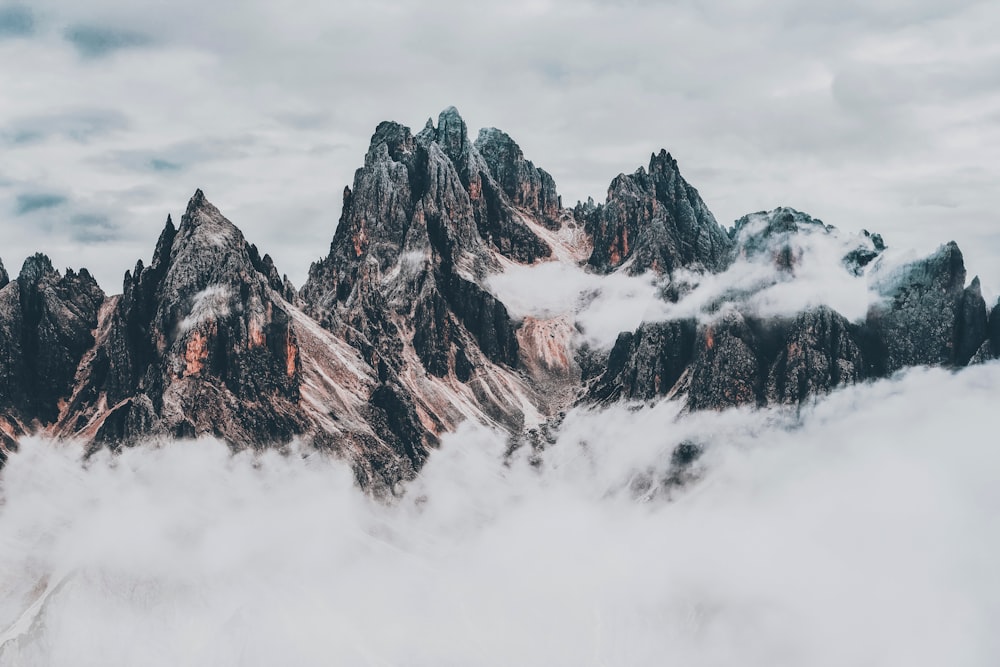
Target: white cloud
211,303
602,306
862,531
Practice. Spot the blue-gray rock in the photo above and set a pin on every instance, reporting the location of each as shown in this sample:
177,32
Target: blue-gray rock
654,220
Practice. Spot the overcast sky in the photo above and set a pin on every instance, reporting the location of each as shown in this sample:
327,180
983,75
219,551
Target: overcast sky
881,115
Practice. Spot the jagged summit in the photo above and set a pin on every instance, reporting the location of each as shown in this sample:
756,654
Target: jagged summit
34,268
453,136
525,185
396,338
46,325
654,220
783,219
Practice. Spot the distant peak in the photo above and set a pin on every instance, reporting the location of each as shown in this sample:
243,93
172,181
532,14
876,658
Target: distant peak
4,279
196,203
197,206
34,268
662,161
497,139
452,134
450,114
392,138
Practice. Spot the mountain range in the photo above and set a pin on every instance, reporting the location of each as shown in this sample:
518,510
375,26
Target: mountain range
398,335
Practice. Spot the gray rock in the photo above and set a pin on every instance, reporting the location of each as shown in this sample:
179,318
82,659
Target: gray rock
928,317
655,221
971,325
199,343
46,326
648,363
993,329
726,370
524,184
817,354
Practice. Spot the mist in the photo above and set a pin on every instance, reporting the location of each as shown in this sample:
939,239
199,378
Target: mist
861,529
603,305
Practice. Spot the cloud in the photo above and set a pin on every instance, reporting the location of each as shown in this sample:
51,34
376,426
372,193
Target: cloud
178,156
99,41
158,164
849,533
29,202
78,125
602,306
92,228
16,21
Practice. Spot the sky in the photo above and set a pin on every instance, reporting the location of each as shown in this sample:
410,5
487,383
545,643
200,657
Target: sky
884,116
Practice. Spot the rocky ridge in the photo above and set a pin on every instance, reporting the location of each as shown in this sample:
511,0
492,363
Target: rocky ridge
396,337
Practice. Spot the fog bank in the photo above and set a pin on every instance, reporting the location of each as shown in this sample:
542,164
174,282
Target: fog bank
863,531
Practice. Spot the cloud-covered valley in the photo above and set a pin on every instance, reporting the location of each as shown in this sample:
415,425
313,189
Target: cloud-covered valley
861,530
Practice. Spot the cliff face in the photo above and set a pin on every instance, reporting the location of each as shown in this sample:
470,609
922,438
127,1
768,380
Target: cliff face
654,220
397,336
46,325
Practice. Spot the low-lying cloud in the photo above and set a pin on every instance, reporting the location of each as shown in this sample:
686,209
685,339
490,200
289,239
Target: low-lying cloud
602,306
862,530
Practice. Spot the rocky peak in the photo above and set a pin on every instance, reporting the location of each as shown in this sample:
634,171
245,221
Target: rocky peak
971,323
992,349
780,233
199,342
765,224
421,226
34,269
46,325
432,196
393,139
654,220
395,340
919,318
525,185
453,136
4,278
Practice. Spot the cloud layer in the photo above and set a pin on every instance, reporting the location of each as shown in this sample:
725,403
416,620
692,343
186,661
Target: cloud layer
861,531
883,117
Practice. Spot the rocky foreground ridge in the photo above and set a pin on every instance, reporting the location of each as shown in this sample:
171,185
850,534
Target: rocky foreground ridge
396,337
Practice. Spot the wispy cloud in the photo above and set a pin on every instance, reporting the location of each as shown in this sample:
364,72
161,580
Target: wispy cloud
78,125
16,21
29,202
93,41
92,228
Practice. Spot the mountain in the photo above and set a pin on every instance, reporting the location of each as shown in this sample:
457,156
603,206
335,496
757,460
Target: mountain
399,334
